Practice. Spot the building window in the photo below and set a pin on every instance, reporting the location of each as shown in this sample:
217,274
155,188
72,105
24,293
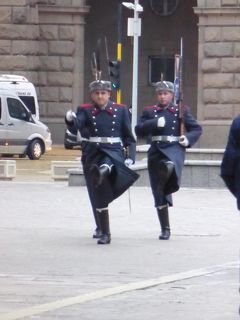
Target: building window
161,67
29,103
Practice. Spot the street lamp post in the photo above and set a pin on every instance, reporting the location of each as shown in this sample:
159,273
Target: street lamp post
119,48
134,30
135,68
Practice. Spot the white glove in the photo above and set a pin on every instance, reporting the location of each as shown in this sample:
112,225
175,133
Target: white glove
183,140
70,115
161,122
128,162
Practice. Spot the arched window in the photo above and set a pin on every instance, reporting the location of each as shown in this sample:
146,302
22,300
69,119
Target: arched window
164,7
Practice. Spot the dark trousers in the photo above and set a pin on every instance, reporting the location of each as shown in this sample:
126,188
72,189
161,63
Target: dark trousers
100,196
158,181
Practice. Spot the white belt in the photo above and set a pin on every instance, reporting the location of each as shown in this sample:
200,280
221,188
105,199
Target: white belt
105,139
165,138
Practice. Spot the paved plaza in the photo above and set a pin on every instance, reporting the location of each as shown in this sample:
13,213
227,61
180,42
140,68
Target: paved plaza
51,268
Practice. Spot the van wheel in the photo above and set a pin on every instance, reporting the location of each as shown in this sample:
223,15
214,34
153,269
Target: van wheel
35,150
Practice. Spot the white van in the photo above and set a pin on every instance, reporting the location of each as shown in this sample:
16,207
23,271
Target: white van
20,132
24,89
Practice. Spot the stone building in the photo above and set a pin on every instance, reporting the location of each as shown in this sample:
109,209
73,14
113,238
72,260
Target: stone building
44,40
50,42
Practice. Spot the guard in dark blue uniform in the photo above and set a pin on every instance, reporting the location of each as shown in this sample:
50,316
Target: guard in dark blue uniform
230,167
167,152
106,131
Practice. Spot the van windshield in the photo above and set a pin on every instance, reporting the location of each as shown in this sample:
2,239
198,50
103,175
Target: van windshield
29,103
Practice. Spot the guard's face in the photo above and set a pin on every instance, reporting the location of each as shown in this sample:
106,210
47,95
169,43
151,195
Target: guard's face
164,97
100,97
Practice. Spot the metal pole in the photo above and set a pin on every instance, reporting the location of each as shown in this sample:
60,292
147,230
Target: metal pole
135,68
119,48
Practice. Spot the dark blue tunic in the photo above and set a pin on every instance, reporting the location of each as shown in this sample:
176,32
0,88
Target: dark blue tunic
114,121
169,150
230,167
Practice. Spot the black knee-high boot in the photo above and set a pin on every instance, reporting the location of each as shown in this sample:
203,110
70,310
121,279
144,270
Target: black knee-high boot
104,224
164,223
98,232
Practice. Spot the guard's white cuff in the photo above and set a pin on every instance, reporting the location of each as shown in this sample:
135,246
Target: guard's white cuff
70,115
183,140
128,162
161,122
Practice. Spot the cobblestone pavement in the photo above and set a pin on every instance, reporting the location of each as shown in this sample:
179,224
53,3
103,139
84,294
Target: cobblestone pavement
48,255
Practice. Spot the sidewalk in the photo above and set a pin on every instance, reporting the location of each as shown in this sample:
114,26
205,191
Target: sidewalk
47,255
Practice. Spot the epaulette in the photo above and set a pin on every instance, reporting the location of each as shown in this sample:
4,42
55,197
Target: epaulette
185,107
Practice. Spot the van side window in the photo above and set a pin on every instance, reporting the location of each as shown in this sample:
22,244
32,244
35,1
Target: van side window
29,103
16,109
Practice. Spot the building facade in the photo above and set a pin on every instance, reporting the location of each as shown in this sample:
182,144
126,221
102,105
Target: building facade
51,41
158,44
218,68
44,41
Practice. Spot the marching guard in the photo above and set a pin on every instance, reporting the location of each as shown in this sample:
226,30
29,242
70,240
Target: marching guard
230,166
105,129
167,151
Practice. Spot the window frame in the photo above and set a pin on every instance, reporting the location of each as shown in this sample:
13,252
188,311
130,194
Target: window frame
163,69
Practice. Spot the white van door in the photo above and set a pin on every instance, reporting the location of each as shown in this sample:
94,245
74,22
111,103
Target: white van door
3,132
19,128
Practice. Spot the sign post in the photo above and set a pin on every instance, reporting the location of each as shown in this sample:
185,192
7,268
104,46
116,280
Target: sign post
134,30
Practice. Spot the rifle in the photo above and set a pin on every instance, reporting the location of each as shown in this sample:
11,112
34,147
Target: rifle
95,62
107,57
98,50
94,65
178,84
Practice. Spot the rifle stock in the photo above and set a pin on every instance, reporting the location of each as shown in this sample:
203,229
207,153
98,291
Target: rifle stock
181,117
